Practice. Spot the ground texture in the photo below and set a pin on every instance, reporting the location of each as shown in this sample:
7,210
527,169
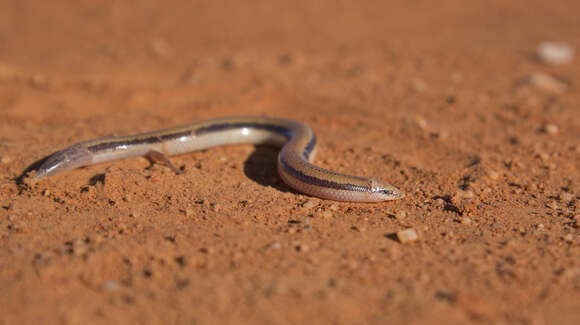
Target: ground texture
447,100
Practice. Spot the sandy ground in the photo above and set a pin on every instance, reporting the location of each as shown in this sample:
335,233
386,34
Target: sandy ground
449,102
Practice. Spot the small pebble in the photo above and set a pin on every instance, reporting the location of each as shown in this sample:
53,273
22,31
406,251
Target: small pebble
540,226
333,207
439,203
327,214
555,52
466,194
407,236
552,205
111,285
551,129
422,123
532,187
5,159
493,175
302,248
569,238
215,207
566,196
543,156
547,83
275,246
308,205
400,215
466,220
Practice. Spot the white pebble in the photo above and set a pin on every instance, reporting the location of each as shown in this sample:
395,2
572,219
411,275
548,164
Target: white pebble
407,236
555,52
551,129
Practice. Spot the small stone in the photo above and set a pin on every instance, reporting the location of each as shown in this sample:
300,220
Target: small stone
468,195
308,205
111,285
555,52
5,159
493,175
552,205
569,238
422,123
46,193
206,250
543,156
566,196
275,246
333,207
532,187
302,248
540,226
551,129
547,83
407,236
215,207
327,214
439,203
355,228
466,220
400,215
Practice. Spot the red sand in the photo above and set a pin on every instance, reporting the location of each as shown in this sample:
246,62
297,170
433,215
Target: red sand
441,101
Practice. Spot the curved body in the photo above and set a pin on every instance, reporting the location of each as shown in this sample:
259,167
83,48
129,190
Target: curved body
297,140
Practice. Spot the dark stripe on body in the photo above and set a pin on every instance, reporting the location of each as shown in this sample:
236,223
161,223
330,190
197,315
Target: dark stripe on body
309,147
173,136
283,131
113,144
321,182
